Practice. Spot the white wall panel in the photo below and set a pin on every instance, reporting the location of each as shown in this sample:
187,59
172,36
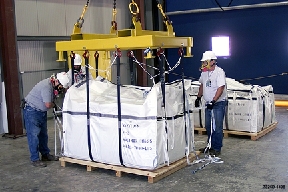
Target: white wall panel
26,17
36,59
123,15
100,15
57,17
99,20
30,55
51,17
73,10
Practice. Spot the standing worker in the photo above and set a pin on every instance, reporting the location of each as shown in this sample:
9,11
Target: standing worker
213,82
79,71
38,101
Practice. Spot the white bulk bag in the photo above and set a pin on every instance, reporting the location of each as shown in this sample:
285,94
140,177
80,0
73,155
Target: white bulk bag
146,142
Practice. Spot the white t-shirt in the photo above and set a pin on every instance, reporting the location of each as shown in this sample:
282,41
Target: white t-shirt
211,81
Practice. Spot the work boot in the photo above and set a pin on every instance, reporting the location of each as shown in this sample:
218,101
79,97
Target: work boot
215,152
49,157
38,163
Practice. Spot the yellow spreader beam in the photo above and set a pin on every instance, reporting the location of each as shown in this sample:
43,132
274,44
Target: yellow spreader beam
126,43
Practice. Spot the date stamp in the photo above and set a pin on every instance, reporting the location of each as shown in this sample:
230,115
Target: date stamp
273,186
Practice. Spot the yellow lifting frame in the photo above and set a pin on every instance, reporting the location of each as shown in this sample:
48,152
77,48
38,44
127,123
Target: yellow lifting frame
126,43
126,39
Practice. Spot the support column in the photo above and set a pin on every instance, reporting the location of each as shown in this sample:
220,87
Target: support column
9,60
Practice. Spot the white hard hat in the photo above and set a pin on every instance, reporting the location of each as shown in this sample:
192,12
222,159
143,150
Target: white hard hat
77,59
63,79
208,55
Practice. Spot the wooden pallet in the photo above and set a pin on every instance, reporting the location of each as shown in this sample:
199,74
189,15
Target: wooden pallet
200,131
253,136
153,176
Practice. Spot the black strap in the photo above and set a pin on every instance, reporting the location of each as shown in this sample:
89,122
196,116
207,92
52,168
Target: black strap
119,109
72,65
88,106
162,77
131,70
184,103
200,118
162,80
96,55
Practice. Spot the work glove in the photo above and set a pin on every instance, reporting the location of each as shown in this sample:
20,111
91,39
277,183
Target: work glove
211,104
197,102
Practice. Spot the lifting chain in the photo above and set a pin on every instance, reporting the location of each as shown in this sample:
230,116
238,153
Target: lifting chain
181,51
80,21
114,13
131,9
118,52
86,54
166,18
159,51
96,54
114,4
130,53
72,55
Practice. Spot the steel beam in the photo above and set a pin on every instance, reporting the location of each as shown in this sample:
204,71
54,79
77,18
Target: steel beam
8,45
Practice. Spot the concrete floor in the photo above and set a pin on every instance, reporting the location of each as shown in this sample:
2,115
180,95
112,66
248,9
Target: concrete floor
248,166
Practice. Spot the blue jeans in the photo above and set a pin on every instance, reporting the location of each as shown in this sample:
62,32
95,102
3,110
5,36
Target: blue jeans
217,134
36,129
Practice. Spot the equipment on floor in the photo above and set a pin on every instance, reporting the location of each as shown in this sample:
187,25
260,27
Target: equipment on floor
207,157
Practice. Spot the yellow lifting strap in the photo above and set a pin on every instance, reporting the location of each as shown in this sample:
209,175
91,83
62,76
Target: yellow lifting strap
78,25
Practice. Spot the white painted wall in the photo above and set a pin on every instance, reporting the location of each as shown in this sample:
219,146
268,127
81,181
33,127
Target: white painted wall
57,17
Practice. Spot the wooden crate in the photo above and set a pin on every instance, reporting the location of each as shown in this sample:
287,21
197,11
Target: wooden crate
153,176
253,136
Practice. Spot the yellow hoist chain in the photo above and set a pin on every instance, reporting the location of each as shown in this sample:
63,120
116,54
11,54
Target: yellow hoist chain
163,14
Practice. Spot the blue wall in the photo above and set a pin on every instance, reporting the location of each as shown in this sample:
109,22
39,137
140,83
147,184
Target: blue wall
182,5
258,36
